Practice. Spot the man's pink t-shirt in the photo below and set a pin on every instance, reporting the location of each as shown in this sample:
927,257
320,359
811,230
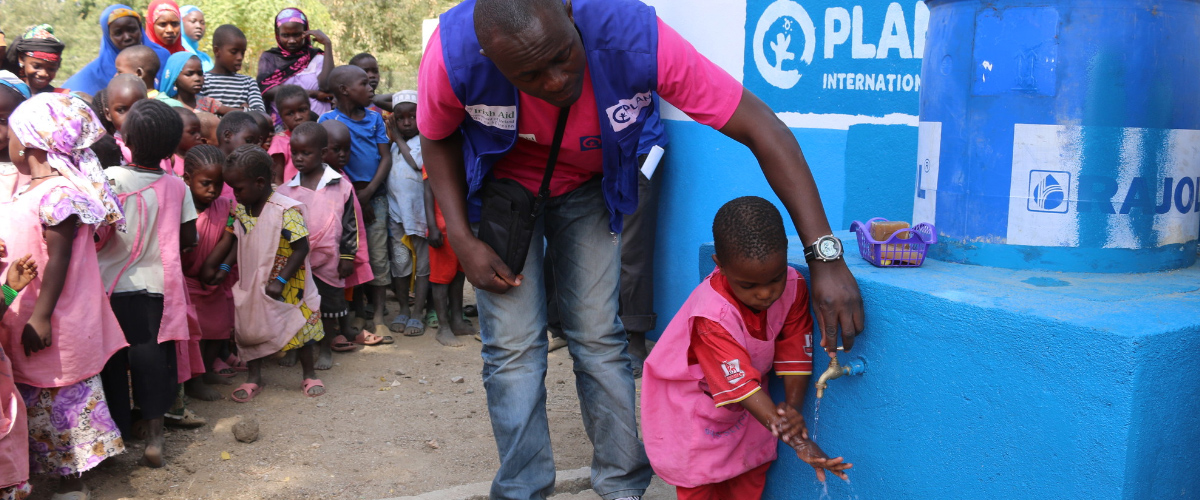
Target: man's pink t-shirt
686,79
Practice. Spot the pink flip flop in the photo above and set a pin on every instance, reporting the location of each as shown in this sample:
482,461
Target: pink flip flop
220,367
309,383
251,389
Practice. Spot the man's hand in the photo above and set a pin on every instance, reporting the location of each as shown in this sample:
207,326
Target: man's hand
36,336
345,268
275,290
812,455
21,273
838,303
484,268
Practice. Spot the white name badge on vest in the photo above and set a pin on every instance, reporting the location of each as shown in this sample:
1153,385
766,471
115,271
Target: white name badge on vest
626,111
501,117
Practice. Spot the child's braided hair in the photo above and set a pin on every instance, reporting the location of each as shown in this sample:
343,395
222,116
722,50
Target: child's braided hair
152,131
201,156
252,160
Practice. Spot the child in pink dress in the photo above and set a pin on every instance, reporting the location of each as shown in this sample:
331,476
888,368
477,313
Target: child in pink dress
202,173
276,300
61,331
13,92
333,232
143,273
710,425
292,103
14,429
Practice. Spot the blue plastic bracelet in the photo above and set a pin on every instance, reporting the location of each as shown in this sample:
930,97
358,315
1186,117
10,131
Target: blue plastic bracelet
227,268
281,280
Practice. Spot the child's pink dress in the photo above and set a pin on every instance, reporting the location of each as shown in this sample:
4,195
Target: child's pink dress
213,304
281,144
264,325
689,440
325,208
70,428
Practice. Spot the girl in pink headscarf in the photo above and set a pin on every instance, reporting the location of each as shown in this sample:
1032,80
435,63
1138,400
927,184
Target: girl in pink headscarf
60,331
296,62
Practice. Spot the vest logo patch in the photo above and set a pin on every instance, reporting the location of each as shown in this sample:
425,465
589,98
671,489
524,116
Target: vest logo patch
733,370
501,117
528,137
589,143
626,111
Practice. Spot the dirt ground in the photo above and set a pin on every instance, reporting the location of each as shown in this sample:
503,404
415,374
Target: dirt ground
393,423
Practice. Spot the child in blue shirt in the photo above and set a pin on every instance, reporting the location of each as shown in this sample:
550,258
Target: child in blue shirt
368,168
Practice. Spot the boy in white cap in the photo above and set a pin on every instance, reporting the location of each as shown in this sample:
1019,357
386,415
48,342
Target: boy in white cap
406,214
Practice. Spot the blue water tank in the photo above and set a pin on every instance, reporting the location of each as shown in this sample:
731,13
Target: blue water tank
1062,134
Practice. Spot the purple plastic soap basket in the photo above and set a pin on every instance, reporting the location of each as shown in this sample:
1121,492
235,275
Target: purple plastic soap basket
895,251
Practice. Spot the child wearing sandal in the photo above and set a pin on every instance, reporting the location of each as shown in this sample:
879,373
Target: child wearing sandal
276,302
14,427
333,223
202,168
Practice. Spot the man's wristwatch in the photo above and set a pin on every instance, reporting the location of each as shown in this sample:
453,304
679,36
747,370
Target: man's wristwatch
825,249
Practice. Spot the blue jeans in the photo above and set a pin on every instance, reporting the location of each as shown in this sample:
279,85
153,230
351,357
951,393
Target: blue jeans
586,265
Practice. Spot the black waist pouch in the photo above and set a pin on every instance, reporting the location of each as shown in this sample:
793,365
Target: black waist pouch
508,214
508,211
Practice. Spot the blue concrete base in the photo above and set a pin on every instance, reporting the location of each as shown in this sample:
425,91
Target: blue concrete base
995,383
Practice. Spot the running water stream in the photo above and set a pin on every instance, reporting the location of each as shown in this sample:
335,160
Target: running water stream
812,433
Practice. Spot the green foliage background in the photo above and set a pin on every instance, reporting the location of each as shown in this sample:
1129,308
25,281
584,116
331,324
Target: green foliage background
389,29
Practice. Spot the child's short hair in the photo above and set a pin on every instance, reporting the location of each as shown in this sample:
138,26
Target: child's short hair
286,92
107,151
143,56
236,122
202,156
226,33
360,57
184,113
311,131
250,159
99,104
313,116
748,228
152,131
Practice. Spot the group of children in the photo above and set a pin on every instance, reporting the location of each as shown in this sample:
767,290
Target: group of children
178,223
165,233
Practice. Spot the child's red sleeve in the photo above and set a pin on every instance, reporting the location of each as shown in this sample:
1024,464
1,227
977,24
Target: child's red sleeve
730,375
793,347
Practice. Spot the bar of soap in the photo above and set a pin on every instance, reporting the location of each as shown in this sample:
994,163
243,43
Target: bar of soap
882,230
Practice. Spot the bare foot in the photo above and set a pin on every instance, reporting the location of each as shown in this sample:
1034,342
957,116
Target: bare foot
289,358
153,457
324,358
198,389
462,328
447,338
214,379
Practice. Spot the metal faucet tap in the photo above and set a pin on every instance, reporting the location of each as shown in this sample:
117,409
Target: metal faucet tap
837,370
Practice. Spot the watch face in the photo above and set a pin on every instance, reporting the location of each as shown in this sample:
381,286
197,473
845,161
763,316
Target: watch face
828,249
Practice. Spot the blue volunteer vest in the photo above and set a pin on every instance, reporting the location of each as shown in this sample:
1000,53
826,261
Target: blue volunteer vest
620,38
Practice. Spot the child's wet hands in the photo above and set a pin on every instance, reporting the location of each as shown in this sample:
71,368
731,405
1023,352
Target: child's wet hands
36,336
790,426
811,454
275,290
21,273
345,268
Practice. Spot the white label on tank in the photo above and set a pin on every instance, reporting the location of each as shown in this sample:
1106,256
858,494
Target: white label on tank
929,147
1113,187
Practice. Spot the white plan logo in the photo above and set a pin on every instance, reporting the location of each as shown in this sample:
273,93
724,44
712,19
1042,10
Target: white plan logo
785,45
625,112
501,117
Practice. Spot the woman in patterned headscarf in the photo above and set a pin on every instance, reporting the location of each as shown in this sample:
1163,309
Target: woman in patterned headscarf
35,57
296,62
62,332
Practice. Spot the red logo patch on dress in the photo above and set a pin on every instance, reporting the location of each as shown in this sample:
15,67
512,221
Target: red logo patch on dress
733,370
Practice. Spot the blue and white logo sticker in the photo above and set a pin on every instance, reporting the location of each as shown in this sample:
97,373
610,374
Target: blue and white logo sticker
1049,191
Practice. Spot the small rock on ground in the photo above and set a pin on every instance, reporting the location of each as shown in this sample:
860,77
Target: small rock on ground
246,431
